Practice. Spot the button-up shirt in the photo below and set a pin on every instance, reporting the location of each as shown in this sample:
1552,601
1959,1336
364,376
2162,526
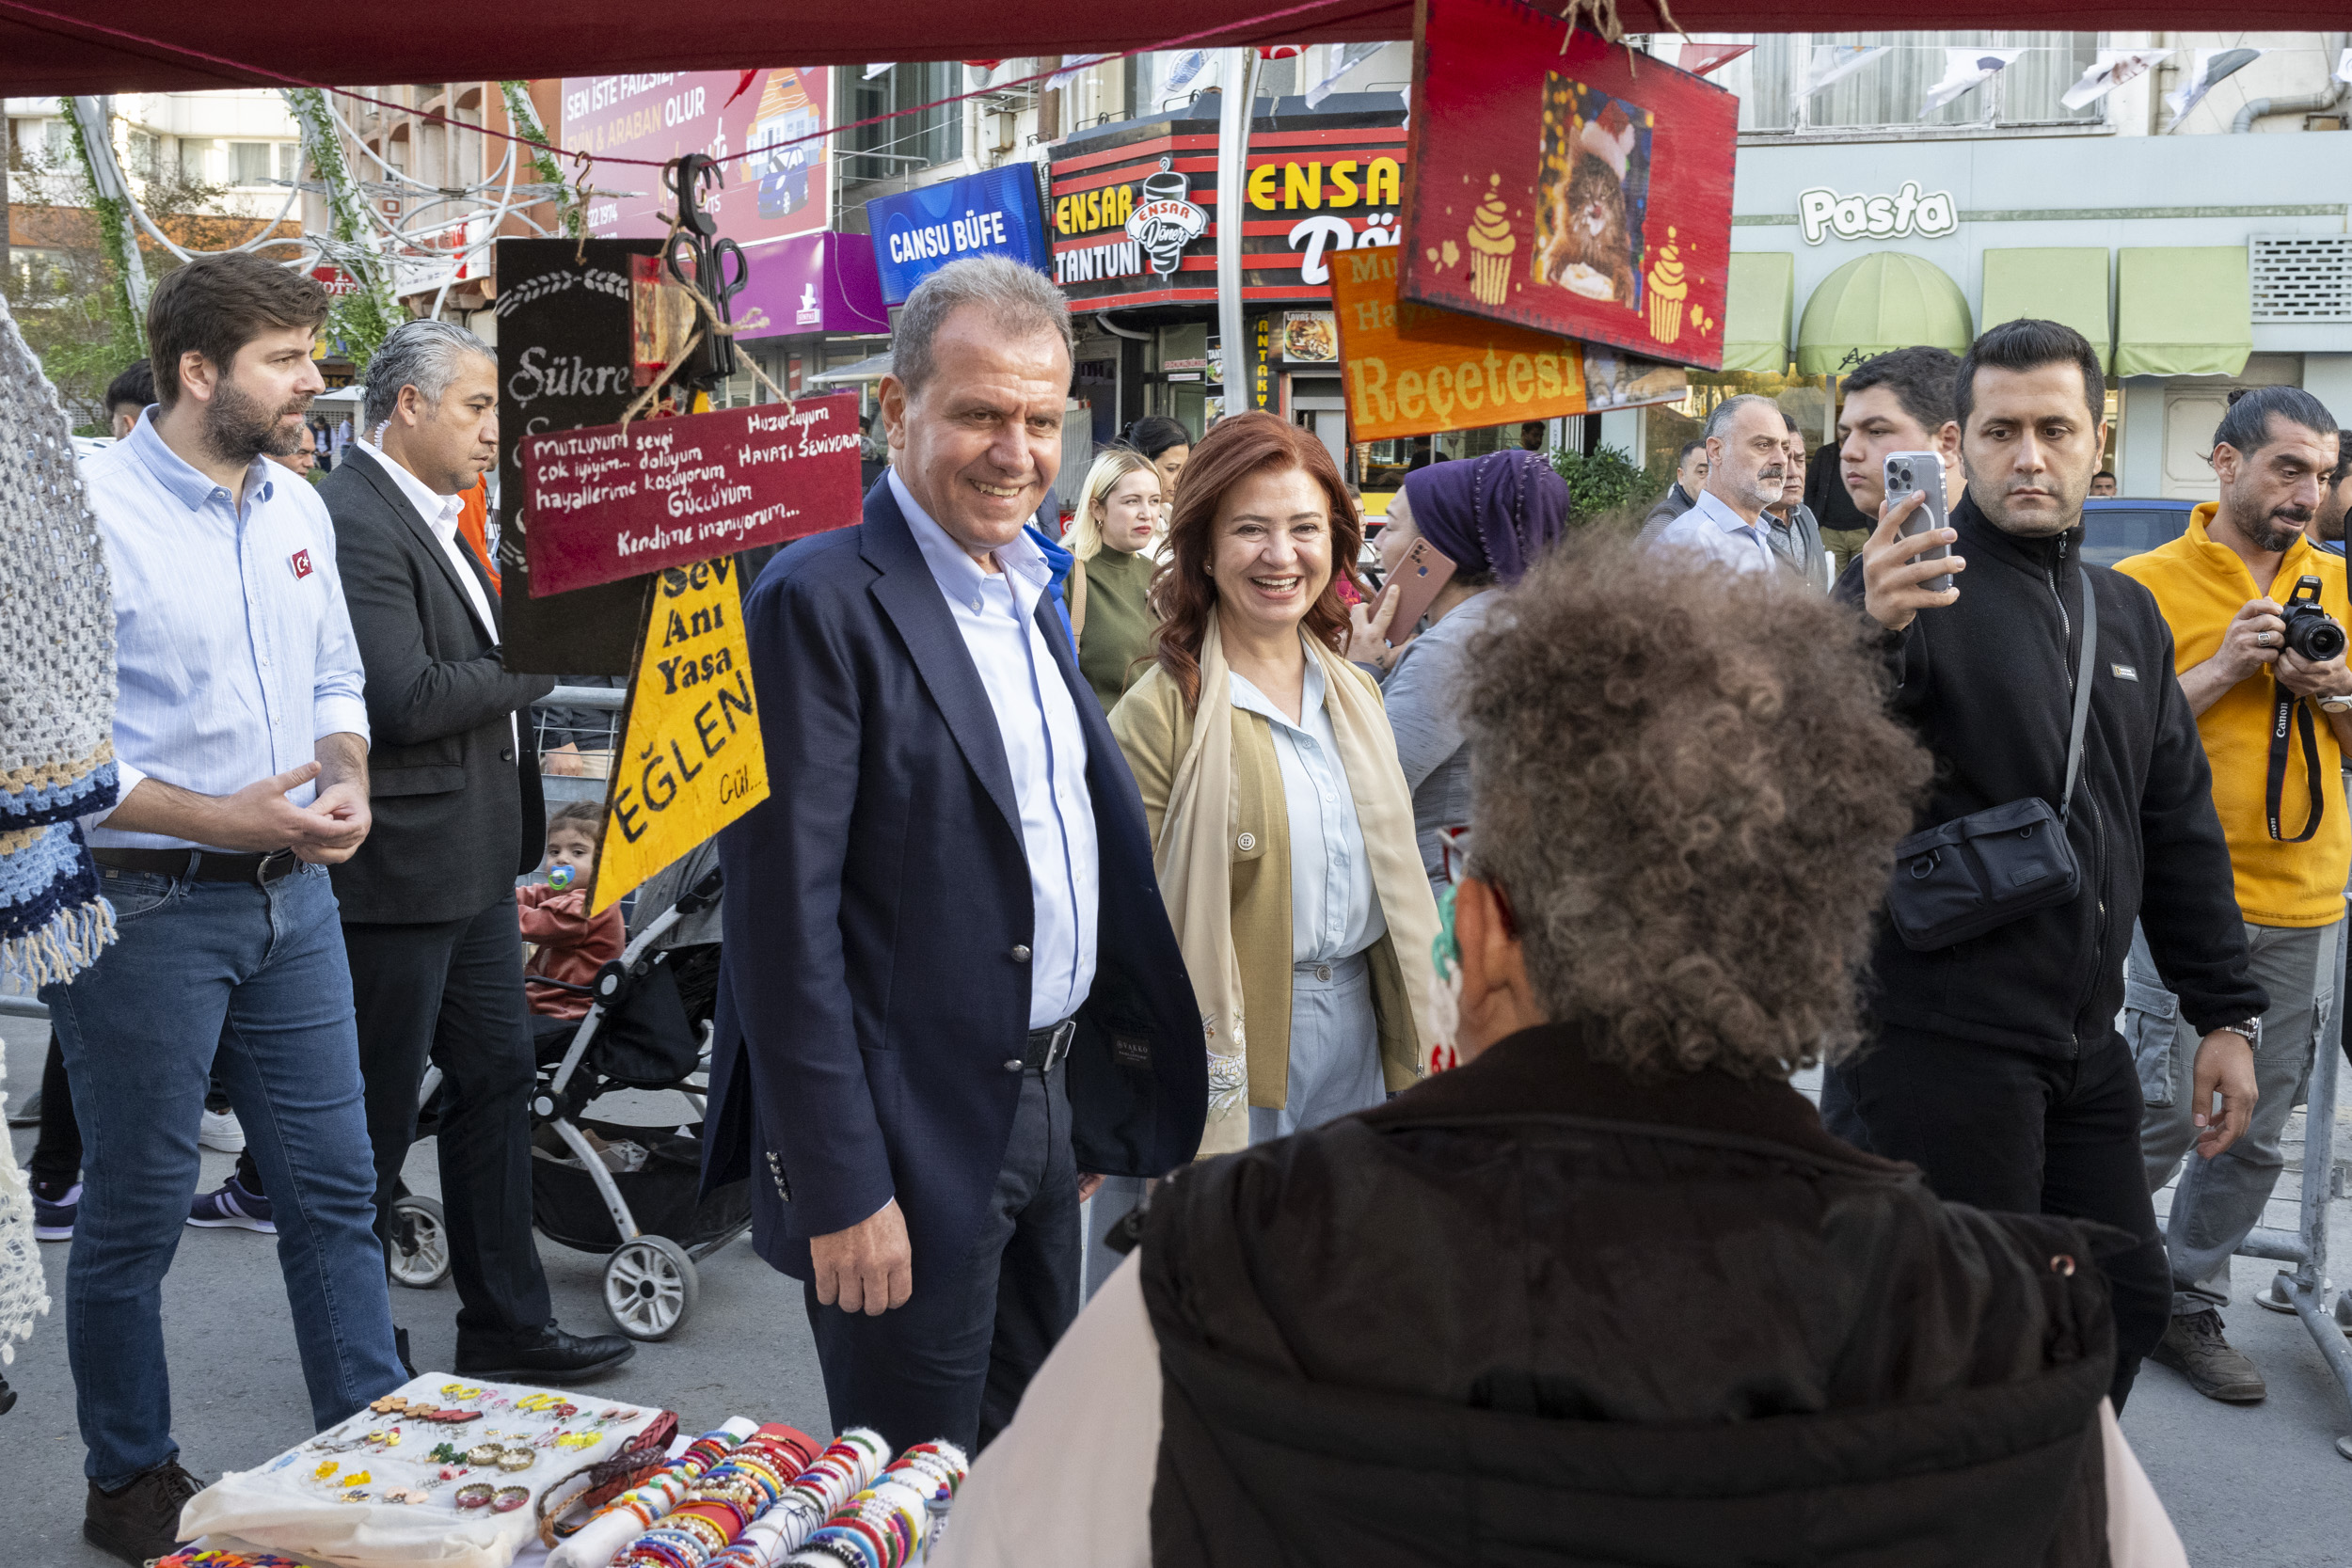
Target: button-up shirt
1045,747
440,515
1335,913
233,651
1710,528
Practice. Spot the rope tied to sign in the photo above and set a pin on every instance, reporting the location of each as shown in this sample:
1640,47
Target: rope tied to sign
1601,16
710,323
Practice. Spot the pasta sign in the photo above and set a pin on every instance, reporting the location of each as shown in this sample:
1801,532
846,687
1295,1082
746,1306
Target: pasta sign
690,759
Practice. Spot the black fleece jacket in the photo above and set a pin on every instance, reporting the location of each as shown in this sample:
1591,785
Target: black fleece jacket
1987,683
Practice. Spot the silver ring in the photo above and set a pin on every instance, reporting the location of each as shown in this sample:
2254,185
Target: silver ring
2261,639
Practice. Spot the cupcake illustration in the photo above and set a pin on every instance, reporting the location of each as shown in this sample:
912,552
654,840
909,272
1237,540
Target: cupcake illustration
1491,243
1667,290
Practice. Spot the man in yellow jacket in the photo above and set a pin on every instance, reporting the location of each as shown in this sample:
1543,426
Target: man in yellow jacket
2274,707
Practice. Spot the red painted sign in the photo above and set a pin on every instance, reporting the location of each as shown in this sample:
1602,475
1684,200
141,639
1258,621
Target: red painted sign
1570,191
603,503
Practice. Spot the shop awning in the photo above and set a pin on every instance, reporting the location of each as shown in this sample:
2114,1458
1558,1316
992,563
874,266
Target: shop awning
1760,304
1882,301
2183,310
872,368
2066,285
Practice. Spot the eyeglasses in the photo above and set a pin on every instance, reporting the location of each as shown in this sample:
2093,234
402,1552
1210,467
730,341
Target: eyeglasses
1454,854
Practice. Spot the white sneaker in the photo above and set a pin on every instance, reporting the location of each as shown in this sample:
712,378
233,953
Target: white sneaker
220,1131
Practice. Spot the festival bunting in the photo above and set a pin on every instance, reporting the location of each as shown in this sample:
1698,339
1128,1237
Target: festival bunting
2113,67
1964,69
1834,62
2212,65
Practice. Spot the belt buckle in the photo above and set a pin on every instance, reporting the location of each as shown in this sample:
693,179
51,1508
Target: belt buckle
271,867
1059,1047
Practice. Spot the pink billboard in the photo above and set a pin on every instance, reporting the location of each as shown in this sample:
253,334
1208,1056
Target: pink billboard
779,190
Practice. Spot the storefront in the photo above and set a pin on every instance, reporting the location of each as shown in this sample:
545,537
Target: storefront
813,304
1844,249
1132,213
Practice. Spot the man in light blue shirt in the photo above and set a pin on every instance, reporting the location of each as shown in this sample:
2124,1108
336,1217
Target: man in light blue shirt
241,739
1746,462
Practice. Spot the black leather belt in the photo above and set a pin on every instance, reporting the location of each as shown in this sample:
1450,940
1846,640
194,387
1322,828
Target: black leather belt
202,866
1049,1045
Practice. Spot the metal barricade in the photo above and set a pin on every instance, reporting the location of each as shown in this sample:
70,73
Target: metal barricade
576,731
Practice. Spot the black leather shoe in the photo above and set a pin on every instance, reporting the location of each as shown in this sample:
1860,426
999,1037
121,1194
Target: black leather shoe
547,1355
140,1521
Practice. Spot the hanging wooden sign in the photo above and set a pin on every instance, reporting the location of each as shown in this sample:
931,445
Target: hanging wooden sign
1413,370
1582,190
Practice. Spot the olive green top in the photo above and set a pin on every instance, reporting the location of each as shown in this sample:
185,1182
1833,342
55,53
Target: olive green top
1115,637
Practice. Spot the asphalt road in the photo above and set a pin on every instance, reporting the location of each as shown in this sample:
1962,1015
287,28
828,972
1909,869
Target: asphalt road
2245,1484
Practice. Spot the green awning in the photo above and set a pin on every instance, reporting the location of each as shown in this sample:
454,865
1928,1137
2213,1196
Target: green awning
2183,310
2067,286
1760,302
1884,300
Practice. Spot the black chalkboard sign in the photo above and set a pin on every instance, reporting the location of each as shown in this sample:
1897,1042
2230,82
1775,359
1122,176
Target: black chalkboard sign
564,361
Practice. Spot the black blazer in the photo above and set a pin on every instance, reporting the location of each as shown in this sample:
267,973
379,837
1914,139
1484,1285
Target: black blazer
878,918
458,815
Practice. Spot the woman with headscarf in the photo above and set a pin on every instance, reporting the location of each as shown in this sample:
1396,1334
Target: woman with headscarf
1281,827
1492,517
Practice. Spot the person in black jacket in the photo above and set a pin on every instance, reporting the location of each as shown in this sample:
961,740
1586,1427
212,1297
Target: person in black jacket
1488,1321
428,906
1996,1067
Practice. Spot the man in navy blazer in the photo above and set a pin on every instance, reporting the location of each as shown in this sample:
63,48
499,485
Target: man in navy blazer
951,1000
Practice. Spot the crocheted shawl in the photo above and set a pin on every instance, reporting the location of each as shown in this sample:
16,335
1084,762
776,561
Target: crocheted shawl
56,684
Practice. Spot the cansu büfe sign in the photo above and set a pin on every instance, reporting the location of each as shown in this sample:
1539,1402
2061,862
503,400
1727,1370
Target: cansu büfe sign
605,503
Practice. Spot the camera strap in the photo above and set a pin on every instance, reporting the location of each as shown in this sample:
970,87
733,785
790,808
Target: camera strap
2288,703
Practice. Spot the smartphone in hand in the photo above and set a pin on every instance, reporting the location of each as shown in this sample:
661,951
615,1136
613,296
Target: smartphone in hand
1920,472
1417,578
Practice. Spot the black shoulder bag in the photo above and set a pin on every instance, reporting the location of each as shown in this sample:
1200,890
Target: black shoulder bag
1978,873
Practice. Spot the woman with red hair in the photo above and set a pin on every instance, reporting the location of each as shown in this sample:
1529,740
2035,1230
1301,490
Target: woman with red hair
1282,830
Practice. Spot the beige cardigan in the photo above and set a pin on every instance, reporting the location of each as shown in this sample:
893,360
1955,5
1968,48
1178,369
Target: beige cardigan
1156,731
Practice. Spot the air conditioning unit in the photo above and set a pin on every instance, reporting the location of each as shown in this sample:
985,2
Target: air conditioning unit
2301,278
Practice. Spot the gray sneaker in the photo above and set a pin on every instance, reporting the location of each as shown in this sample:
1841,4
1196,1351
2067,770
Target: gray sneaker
2193,1346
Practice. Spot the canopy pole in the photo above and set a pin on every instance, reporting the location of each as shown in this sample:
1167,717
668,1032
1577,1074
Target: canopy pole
1233,189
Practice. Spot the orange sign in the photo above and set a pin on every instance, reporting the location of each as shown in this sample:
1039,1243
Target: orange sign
1414,371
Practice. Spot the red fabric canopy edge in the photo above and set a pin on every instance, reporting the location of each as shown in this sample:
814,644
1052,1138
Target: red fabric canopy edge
441,40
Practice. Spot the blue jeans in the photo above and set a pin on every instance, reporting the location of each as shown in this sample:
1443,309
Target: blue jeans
249,982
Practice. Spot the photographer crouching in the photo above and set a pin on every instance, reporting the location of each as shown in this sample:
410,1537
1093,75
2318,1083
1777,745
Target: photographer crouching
2256,612
1996,1067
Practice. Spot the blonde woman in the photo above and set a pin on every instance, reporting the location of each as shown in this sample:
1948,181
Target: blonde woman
1281,825
1118,512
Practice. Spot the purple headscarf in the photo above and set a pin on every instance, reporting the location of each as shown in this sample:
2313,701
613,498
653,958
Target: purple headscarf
1494,514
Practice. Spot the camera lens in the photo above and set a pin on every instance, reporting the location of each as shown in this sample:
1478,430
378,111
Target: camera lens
2321,642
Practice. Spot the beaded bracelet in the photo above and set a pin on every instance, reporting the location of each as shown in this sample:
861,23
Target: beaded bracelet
846,1467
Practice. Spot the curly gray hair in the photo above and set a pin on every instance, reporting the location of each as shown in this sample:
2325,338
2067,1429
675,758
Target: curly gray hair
1689,788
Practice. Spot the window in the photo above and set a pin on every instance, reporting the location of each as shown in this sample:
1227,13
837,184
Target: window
911,141
248,162
290,160
1887,91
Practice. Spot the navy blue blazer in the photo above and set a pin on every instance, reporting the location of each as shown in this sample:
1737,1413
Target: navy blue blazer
870,994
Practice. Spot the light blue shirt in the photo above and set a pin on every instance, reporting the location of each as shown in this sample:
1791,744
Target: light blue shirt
233,651
1712,528
1044,746
1335,912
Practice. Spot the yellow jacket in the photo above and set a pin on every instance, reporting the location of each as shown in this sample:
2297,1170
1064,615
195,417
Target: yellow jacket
2200,585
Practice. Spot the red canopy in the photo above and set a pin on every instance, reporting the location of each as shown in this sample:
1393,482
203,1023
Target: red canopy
442,41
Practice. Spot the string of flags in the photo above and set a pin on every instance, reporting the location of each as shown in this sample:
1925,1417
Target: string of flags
2212,66
1964,69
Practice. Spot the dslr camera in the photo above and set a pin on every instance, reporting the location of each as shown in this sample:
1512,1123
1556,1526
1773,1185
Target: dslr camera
2312,633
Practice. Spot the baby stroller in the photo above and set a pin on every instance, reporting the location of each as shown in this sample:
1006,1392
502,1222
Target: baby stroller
648,1027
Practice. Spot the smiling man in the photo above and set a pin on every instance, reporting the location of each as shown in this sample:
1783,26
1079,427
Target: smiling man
1996,1067
949,986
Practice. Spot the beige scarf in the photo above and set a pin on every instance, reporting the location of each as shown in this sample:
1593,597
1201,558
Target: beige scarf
1194,862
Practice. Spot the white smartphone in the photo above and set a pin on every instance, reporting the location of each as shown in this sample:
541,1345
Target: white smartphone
1920,472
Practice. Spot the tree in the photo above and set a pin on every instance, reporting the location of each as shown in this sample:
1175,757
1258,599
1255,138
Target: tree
66,290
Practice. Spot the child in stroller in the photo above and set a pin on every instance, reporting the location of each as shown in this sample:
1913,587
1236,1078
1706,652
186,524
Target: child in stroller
571,944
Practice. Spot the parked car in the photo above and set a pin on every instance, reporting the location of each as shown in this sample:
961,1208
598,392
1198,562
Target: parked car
2117,527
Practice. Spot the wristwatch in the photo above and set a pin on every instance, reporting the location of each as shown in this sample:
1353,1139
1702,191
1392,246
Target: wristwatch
2252,1028
2336,704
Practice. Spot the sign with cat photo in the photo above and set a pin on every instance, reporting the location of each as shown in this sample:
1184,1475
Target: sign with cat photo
1559,182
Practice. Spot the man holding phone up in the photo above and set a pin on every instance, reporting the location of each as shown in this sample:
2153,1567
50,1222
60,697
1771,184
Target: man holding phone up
1996,1066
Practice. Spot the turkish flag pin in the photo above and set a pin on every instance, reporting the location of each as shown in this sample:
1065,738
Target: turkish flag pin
300,562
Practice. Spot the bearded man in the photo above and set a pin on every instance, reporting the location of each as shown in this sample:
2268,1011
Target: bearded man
1747,463
2274,713
241,745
